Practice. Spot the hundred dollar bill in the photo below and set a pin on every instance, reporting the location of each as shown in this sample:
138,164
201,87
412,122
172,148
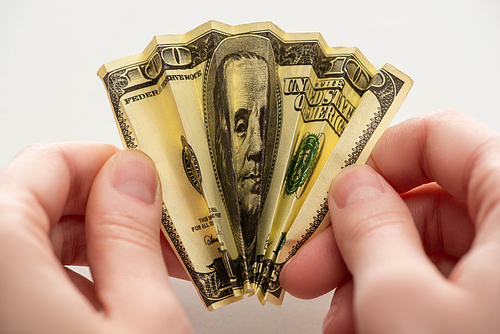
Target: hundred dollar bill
326,103
155,127
387,89
240,121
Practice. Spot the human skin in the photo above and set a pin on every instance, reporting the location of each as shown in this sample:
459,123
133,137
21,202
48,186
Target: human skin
414,244
84,204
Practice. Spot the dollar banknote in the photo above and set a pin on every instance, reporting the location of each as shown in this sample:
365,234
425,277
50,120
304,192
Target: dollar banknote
385,93
247,126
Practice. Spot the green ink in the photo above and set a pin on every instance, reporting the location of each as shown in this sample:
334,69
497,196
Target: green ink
302,163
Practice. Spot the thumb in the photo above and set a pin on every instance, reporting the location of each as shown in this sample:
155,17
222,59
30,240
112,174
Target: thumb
380,245
372,225
124,252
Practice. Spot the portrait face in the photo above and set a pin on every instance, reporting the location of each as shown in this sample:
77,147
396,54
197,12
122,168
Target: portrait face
243,121
246,92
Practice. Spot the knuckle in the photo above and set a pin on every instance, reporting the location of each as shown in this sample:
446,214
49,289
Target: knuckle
16,227
41,149
68,240
20,209
129,229
372,224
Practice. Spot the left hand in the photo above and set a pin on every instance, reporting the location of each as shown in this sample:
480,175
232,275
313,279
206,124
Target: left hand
79,204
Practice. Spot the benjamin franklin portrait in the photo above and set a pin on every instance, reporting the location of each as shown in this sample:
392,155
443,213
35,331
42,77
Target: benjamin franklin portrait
243,129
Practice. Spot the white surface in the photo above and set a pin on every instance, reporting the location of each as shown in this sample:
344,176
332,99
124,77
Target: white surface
51,50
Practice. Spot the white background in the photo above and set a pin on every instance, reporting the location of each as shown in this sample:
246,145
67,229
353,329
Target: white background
50,52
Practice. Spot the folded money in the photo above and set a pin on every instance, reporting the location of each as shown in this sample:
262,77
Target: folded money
247,126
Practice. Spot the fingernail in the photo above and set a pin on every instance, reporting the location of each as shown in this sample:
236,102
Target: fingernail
355,184
134,174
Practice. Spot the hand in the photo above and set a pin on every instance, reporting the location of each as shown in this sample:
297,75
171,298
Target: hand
419,231
80,204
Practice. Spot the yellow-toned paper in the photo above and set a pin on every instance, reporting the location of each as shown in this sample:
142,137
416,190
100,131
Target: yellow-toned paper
387,90
247,125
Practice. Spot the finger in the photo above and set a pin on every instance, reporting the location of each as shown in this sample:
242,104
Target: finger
36,188
68,240
444,146
340,317
462,156
85,286
52,180
382,248
373,227
123,245
448,147
317,269
443,261
441,219
34,283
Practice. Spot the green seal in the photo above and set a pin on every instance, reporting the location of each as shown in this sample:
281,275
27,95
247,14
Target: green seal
302,163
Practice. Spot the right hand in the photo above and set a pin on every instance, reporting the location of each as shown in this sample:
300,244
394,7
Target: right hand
414,245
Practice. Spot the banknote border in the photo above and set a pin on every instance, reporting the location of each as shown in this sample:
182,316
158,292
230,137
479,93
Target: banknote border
176,242
352,158
313,45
